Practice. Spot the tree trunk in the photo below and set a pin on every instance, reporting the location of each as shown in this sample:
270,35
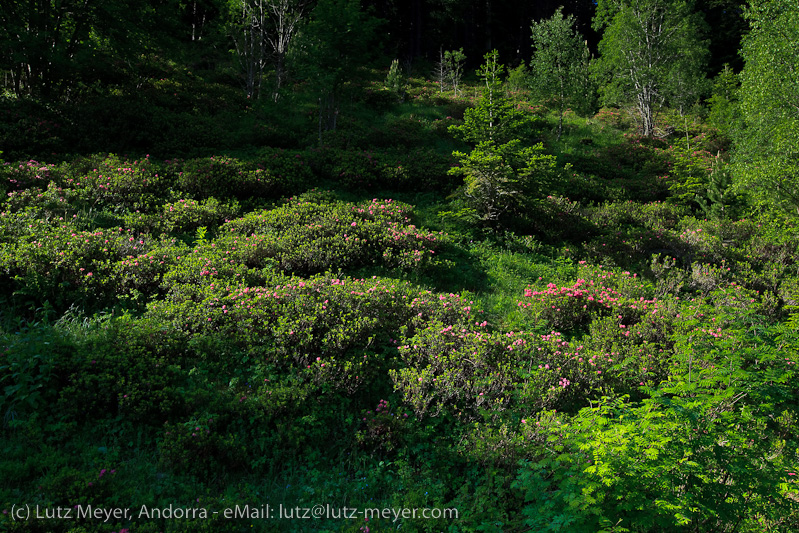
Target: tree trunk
645,110
280,75
562,105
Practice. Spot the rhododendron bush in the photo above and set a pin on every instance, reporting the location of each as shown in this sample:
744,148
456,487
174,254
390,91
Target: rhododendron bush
200,326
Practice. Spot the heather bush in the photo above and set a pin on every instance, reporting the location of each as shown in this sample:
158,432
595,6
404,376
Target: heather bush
384,428
614,118
27,174
53,202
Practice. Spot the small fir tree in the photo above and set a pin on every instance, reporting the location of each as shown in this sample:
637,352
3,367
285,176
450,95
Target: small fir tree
499,172
495,117
395,81
725,111
719,199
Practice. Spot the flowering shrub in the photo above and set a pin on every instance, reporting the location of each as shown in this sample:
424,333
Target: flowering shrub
383,429
596,292
26,174
461,369
611,117
468,370
301,236
54,202
224,177
308,237
117,184
322,315
59,263
355,168
183,216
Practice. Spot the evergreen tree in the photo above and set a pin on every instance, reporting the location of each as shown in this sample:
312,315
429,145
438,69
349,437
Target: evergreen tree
719,198
724,105
495,117
499,172
395,81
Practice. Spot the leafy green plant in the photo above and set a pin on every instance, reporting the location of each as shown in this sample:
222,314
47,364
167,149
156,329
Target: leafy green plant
688,171
28,370
560,65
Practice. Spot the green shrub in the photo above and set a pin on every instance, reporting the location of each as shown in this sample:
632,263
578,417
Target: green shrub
54,202
134,369
308,237
57,263
23,175
196,446
290,168
29,371
223,177
117,184
183,216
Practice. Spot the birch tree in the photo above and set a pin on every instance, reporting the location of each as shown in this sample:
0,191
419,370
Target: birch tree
646,44
262,32
285,17
560,64
767,149
248,28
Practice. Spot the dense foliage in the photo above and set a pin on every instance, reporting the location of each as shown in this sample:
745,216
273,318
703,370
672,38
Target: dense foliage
320,270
